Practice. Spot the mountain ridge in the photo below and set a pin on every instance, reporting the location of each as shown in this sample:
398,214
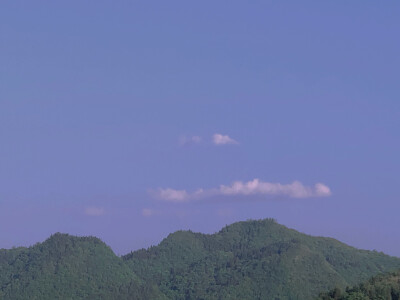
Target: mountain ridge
266,246
253,259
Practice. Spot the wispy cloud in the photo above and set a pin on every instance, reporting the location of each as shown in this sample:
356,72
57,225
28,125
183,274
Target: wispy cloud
295,189
220,139
216,139
189,140
147,212
94,211
172,195
254,187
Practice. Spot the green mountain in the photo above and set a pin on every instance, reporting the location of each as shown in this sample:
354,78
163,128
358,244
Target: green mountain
68,267
382,286
246,260
254,260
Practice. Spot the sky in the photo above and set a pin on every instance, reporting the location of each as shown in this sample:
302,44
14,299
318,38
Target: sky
129,120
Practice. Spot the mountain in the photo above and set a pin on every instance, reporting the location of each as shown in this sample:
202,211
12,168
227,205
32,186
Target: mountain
254,260
68,267
245,260
382,286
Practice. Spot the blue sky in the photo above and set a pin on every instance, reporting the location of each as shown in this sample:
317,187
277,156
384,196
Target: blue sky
110,114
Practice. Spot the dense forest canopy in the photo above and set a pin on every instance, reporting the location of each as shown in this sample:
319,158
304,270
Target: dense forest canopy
246,260
382,286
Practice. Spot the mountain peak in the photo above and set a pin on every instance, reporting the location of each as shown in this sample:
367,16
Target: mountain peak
254,259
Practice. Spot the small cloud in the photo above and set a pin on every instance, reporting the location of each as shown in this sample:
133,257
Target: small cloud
147,212
220,139
94,211
295,189
322,190
184,140
254,187
172,195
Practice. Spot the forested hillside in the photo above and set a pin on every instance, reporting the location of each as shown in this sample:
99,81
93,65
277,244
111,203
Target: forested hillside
68,267
246,260
254,260
382,286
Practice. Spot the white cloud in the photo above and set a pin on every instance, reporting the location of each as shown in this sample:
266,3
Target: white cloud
322,190
172,195
295,189
94,211
220,139
254,187
217,139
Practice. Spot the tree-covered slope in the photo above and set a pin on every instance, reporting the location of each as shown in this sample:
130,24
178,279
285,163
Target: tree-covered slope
68,267
246,260
383,286
254,260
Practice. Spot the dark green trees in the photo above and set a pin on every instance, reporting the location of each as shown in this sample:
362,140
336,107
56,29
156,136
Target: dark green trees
246,260
68,267
383,286
254,260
